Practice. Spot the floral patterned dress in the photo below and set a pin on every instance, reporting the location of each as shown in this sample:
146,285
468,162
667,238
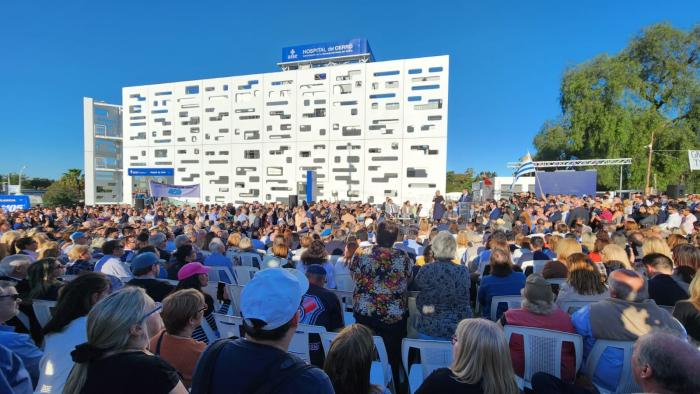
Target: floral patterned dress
381,281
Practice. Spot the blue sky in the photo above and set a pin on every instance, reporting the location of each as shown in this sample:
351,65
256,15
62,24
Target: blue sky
507,59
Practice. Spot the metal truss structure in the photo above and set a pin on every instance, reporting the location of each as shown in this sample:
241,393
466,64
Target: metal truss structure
576,163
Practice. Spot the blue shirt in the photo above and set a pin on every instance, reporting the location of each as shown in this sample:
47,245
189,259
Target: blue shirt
250,362
219,260
609,369
492,285
257,244
14,378
24,347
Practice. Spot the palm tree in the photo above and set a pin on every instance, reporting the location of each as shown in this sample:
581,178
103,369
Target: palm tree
74,178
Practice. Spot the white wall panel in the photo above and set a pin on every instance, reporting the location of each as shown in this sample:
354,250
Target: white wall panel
279,171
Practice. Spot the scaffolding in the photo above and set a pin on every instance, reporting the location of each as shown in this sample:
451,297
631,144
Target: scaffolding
579,163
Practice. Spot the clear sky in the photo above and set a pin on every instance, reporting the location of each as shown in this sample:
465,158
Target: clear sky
506,58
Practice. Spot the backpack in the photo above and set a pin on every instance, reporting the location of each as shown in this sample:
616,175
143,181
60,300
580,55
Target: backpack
267,382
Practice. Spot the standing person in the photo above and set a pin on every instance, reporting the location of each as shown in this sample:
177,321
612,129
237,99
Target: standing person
68,328
183,312
349,362
260,361
20,344
438,207
481,363
443,300
380,300
115,358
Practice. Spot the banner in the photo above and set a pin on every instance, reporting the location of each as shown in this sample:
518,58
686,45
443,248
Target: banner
173,191
694,158
151,171
575,183
355,46
11,203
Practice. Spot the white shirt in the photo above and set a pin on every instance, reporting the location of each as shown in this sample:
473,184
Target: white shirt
673,221
113,266
56,363
687,223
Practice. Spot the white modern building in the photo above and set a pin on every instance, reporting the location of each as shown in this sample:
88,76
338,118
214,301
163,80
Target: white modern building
367,129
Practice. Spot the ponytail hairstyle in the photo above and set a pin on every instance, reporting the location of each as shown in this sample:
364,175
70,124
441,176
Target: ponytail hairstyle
109,326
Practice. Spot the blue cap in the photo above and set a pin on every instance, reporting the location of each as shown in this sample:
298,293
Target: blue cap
144,260
76,235
326,232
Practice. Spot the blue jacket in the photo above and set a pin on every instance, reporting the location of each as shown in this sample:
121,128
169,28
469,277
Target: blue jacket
492,285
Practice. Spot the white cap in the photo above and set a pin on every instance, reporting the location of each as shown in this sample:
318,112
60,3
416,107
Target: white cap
273,296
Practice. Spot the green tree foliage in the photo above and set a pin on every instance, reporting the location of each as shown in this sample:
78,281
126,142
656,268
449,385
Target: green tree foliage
458,181
67,191
612,104
39,183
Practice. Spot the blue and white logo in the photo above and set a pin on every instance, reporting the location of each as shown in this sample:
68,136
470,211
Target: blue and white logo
174,191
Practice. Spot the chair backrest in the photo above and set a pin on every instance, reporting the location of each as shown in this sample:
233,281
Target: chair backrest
229,326
221,274
208,331
572,306
542,349
626,383
538,266
433,355
526,264
512,301
211,289
380,372
300,341
250,259
42,310
344,282
345,298
244,274
234,294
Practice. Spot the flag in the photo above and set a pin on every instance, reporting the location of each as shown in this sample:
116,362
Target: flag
526,167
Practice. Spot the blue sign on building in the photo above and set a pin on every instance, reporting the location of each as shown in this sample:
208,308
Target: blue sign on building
151,171
355,46
11,203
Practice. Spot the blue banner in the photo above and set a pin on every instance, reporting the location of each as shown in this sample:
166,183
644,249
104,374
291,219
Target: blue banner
355,46
151,171
175,191
12,203
575,183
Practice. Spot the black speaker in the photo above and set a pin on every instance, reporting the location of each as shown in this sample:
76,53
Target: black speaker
140,203
293,200
675,191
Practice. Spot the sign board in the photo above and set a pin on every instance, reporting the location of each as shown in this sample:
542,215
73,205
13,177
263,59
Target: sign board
14,202
165,190
151,171
323,50
576,183
694,158
311,188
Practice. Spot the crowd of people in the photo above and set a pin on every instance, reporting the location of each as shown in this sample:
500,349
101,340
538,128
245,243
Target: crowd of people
132,308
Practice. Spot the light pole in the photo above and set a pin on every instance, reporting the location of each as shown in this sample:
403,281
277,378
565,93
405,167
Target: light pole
19,181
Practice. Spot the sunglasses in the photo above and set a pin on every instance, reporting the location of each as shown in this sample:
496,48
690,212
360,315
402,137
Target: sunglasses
156,308
14,297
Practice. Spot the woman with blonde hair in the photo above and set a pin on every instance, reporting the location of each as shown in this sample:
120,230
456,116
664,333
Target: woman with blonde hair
49,249
279,256
674,240
7,243
656,245
79,258
349,361
688,311
481,364
557,268
584,282
115,358
462,246
614,257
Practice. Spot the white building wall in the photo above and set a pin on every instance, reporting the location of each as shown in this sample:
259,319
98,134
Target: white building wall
368,130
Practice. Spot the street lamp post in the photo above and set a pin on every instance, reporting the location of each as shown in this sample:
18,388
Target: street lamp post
19,181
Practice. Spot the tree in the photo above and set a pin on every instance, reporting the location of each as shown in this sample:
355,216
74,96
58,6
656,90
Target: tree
39,183
67,191
612,105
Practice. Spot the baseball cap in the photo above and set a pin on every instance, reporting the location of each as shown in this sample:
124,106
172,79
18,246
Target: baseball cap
143,260
537,289
191,269
273,296
76,235
326,232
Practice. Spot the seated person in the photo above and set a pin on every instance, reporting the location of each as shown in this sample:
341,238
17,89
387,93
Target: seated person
502,281
145,267
662,287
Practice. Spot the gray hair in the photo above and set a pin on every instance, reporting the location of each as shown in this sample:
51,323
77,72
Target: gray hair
623,291
216,245
156,239
181,239
537,307
444,246
8,264
672,361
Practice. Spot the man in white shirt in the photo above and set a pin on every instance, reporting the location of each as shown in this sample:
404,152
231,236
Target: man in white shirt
687,221
110,263
674,218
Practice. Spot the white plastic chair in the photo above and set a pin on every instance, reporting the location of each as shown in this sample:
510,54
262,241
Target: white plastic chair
380,371
538,266
208,331
42,310
527,263
572,306
211,289
244,274
300,341
229,326
250,259
221,274
345,298
513,301
626,383
542,349
234,294
344,282
433,355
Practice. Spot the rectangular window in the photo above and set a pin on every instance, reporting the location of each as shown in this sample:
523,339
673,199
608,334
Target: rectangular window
160,153
435,69
425,87
194,89
251,154
415,71
386,73
414,98
319,77
382,95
